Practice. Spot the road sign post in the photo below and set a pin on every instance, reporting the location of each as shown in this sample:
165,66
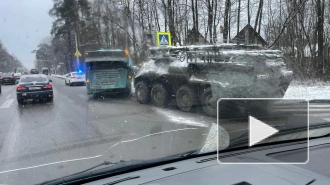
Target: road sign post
163,39
77,54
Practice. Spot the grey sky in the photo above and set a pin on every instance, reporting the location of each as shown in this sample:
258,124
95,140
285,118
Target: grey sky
23,24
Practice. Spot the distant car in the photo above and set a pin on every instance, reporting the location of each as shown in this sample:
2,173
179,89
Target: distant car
45,71
34,71
17,75
8,78
74,78
35,87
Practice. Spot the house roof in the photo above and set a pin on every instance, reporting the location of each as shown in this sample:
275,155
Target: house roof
251,29
192,31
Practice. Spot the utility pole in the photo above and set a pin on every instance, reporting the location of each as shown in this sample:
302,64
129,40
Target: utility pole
77,47
76,30
152,29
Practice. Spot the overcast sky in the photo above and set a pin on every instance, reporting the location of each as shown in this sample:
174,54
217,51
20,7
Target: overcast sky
23,24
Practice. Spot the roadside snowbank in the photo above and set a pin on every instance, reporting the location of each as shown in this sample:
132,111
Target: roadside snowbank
58,76
308,90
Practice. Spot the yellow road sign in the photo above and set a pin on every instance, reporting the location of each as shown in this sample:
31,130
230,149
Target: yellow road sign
77,53
163,39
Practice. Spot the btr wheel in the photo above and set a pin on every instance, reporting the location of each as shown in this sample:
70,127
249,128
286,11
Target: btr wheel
186,98
142,92
209,103
160,95
227,110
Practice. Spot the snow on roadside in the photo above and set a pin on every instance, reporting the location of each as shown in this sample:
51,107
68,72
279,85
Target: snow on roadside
58,76
308,90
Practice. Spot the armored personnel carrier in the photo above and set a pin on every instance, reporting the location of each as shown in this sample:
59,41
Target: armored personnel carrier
200,75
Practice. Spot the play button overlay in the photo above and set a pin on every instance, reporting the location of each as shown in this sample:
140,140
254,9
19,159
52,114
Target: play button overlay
259,131
264,130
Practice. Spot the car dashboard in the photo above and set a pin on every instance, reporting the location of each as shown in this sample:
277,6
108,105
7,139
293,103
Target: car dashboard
207,170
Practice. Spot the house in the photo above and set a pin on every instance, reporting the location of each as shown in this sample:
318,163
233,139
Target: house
249,36
194,37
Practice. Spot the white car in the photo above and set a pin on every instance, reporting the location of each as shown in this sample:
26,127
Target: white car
17,75
74,78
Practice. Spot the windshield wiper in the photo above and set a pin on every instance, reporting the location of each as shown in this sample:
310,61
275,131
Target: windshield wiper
88,175
105,163
190,153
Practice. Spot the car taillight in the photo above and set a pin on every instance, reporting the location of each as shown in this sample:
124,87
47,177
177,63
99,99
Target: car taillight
11,77
72,77
0,78
20,88
48,86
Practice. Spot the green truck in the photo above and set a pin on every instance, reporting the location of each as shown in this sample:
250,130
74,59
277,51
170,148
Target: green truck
108,71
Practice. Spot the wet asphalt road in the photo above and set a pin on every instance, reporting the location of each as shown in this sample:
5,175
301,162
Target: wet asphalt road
46,140
76,126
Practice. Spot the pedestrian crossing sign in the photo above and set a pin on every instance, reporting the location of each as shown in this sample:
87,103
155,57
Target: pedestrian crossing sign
77,54
164,39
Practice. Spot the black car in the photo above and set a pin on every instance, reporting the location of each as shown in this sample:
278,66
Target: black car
34,71
8,78
36,87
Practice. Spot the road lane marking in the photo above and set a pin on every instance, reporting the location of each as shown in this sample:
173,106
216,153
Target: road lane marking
8,96
7,104
47,164
131,140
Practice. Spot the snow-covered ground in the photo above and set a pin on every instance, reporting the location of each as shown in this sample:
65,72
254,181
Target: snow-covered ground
308,90
58,76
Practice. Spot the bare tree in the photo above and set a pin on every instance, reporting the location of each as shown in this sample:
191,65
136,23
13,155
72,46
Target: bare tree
226,21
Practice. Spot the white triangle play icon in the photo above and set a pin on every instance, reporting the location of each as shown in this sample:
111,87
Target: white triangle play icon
259,131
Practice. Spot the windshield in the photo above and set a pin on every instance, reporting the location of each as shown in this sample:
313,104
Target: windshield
99,65
33,79
142,80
